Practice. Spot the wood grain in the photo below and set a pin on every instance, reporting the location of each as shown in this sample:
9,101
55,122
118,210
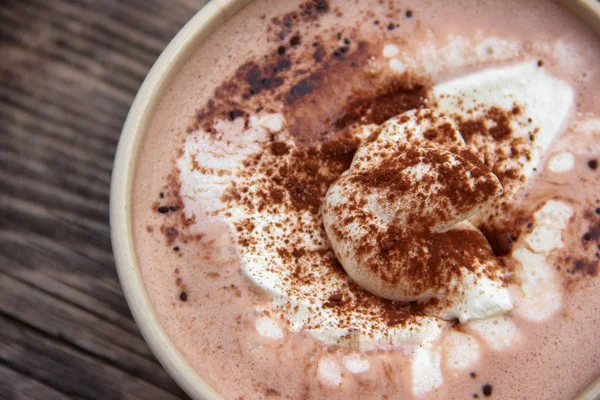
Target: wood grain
69,70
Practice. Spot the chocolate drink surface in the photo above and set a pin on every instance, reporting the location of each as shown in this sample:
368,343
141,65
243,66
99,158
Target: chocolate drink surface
380,199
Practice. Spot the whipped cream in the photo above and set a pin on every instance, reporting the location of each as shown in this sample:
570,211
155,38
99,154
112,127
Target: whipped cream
441,186
539,106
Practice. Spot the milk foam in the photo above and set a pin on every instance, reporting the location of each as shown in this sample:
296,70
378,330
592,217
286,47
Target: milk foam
540,285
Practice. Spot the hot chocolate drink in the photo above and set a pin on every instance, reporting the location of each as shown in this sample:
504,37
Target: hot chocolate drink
380,199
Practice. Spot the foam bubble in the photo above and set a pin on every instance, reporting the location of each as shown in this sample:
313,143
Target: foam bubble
267,327
390,50
397,65
461,350
550,220
272,122
426,370
329,372
498,332
356,364
541,296
562,162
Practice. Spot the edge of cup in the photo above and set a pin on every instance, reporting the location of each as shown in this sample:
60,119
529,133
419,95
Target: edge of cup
212,15
197,29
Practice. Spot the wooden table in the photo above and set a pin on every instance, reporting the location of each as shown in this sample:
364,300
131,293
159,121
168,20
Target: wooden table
69,70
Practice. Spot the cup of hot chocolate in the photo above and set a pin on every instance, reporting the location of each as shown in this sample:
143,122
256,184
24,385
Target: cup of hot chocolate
384,199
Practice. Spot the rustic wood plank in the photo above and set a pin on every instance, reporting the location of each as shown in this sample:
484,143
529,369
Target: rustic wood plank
69,71
107,342
45,281
21,387
55,364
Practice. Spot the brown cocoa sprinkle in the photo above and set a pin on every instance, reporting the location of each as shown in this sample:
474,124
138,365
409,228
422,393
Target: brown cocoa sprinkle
235,114
161,195
279,148
176,248
163,209
540,63
587,237
503,244
502,128
409,14
440,253
391,26
388,244
397,96
295,40
171,234
376,22
319,54
336,297
281,50
272,392
487,390
598,210
475,396
297,253
183,296
322,5
302,88
586,267
593,164
473,375
470,128
173,208
149,229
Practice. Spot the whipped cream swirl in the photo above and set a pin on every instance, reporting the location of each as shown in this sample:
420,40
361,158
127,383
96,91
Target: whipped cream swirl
397,219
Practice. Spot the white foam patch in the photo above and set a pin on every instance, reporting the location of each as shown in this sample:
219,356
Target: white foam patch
390,50
426,370
584,136
561,162
545,238
541,294
272,122
457,51
328,372
550,221
492,47
267,327
356,364
588,126
540,291
397,66
210,160
461,350
498,332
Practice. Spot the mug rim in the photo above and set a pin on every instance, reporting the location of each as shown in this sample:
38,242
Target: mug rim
211,16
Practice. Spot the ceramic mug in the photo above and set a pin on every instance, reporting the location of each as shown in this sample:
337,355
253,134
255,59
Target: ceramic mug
198,29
